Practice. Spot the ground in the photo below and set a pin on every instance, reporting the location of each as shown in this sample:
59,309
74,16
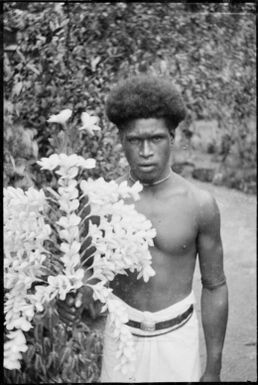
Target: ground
238,231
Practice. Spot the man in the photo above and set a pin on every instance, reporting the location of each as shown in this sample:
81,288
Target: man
162,315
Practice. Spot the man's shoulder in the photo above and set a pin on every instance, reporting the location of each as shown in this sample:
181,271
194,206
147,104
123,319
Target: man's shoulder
202,199
207,208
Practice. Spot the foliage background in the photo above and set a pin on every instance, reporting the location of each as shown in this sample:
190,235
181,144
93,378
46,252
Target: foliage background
68,55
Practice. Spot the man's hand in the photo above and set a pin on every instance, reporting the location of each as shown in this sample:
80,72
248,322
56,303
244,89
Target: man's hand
209,377
70,310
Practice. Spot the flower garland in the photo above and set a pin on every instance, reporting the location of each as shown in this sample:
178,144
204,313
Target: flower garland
119,241
24,254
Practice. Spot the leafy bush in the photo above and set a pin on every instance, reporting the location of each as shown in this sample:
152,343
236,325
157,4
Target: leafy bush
68,56
56,354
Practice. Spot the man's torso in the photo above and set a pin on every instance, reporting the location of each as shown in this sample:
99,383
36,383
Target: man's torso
173,211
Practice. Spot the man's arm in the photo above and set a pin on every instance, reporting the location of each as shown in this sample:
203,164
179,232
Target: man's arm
214,299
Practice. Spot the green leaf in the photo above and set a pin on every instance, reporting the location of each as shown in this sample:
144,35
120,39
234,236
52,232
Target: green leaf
33,68
64,356
17,88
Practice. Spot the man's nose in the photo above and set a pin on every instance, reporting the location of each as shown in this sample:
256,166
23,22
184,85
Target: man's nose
146,149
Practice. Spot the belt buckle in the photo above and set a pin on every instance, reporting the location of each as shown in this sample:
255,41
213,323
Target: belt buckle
148,326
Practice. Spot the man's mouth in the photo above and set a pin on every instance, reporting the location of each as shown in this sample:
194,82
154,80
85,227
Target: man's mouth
146,167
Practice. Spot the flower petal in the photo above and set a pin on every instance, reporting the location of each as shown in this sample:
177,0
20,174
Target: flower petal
61,118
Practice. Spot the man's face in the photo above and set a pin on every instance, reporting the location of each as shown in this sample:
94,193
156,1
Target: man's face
147,145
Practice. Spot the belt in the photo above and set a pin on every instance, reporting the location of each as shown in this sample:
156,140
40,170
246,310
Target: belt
152,326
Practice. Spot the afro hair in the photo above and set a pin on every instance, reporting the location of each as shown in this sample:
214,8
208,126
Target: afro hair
145,96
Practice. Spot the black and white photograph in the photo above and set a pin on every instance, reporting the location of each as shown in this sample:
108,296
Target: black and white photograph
129,192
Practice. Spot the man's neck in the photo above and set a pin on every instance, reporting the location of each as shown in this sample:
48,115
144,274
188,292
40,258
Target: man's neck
155,186
154,183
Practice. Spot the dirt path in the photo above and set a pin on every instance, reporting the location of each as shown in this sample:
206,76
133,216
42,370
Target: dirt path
238,230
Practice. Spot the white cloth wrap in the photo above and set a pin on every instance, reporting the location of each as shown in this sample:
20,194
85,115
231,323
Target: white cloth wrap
171,357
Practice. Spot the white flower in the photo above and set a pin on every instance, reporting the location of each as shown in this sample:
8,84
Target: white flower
121,239
19,323
36,198
76,278
13,349
89,123
49,163
87,163
100,291
61,118
39,298
58,285
71,220
125,191
126,348
68,160
69,206
70,234
69,192
68,173
70,248
146,273
61,284
68,164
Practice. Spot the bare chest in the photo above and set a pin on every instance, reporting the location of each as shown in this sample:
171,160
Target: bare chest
175,222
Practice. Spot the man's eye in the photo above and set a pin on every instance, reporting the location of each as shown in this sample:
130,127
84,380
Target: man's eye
133,141
157,139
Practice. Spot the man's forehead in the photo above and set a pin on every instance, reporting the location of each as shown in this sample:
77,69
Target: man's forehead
149,126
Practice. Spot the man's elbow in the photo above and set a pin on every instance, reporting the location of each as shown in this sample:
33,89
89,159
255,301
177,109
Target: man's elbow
214,284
